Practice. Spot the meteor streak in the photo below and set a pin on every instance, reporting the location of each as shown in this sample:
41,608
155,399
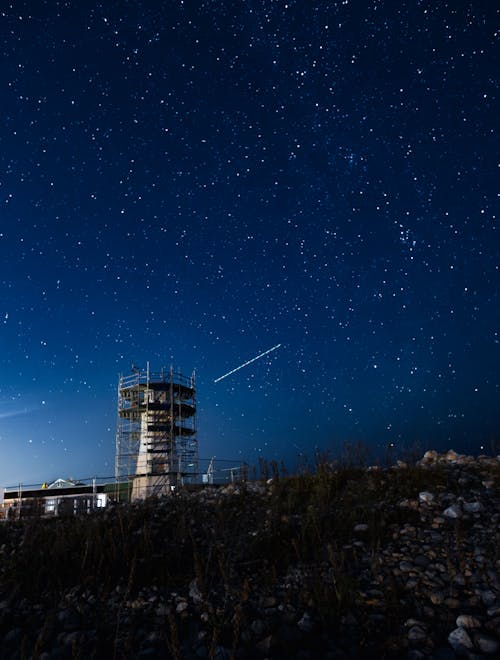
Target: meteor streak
246,363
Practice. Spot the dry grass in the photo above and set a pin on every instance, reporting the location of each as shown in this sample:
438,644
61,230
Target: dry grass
235,545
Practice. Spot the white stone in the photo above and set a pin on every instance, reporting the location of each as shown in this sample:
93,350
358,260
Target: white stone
181,607
453,511
194,591
426,497
361,527
459,639
430,456
468,621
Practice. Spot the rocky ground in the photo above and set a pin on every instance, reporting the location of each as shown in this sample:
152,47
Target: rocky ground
348,562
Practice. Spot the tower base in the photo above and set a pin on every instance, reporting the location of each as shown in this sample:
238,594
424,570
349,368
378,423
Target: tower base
150,486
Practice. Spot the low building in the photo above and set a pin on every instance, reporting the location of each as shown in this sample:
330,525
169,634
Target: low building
61,497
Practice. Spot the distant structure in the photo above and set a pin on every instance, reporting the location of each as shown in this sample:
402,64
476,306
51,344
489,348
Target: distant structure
156,445
61,497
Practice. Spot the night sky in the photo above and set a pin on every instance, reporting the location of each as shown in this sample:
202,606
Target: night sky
192,183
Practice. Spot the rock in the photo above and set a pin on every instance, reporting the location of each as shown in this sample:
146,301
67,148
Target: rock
162,610
472,507
265,645
467,621
288,636
408,504
422,561
148,652
494,610
493,626
460,640
430,456
417,635
222,653
488,597
443,653
194,592
288,613
486,643
13,635
409,623
268,602
436,597
259,628
74,638
306,624
453,511
411,585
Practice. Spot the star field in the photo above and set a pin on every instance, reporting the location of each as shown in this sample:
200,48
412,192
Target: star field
195,182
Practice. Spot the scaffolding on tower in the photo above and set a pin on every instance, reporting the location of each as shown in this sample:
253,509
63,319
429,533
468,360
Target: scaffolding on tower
156,445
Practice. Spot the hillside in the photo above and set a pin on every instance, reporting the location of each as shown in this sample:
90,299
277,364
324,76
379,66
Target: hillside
347,562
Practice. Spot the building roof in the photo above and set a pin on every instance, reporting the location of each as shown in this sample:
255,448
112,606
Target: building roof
63,483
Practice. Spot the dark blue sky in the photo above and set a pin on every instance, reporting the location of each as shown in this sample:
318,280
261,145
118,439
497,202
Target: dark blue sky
195,182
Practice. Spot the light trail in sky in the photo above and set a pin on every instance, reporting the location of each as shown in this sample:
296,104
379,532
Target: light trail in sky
15,413
247,363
